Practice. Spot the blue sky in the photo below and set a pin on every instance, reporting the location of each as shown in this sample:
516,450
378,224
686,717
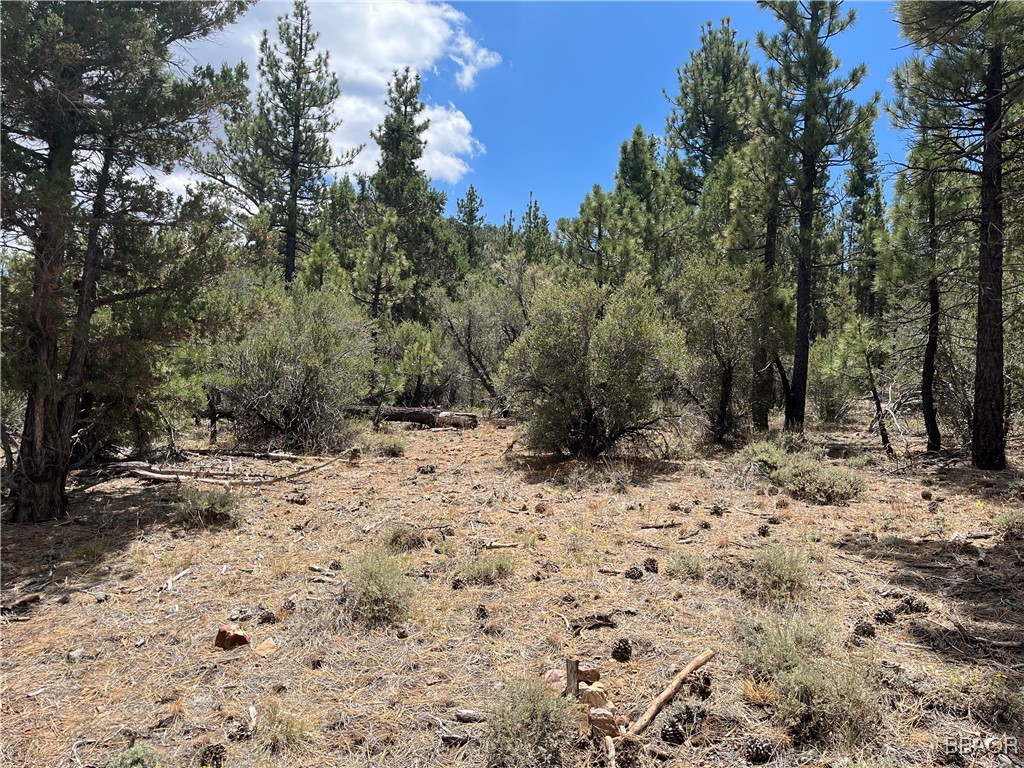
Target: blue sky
536,96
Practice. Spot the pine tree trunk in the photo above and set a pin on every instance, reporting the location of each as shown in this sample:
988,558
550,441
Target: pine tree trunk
44,457
762,395
988,439
931,422
797,398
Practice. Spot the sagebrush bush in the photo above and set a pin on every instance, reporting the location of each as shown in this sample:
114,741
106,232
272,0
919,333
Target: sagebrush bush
401,538
804,476
138,756
380,593
779,575
685,565
592,367
528,728
199,508
289,380
389,446
1012,525
814,480
816,698
488,570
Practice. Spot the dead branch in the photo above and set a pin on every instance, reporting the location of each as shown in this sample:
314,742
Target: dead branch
668,694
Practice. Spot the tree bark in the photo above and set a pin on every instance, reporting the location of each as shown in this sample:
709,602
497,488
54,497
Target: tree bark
796,399
988,439
931,422
44,458
763,394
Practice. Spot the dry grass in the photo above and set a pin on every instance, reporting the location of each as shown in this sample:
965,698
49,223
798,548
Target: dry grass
105,658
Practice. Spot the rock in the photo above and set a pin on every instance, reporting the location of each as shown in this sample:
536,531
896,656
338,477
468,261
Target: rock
231,636
264,649
589,674
555,679
602,722
594,697
469,716
427,469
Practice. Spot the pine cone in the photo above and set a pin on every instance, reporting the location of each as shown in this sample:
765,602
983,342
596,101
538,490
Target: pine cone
622,650
651,565
213,756
911,604
758,750
717,510
634,573
481,611
700,685
885,616
774,520
864,628
674,731
764,531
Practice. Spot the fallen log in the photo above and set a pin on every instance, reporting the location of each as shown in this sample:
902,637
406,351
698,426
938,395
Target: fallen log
428,417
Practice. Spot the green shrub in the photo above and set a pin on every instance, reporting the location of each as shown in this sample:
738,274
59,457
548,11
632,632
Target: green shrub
198,508
138,756
591,368
816,698
528,728
1012,525
289,380
400,538
813,480
381,593
805,477
778,575
389,446
765,456
488,570
685,565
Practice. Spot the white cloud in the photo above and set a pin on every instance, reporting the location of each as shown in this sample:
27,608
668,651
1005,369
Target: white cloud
367,41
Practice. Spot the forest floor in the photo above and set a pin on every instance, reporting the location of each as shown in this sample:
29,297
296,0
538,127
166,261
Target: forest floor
111,653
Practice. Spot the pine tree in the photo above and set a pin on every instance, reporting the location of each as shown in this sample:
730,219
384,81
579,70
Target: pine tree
399,184
973,68
710,114
92,93
470,221
818,121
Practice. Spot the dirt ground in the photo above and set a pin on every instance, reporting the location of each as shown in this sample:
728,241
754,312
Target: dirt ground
113,654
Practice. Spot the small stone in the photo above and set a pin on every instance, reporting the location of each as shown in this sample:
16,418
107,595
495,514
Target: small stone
594,696
602,722
469,716
555,680
264,649
231,636
589,674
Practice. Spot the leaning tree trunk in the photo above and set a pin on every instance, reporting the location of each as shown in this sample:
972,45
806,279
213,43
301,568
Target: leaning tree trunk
988,439
931,421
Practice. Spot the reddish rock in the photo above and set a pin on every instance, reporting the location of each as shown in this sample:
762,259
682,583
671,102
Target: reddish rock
231,636
589,674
